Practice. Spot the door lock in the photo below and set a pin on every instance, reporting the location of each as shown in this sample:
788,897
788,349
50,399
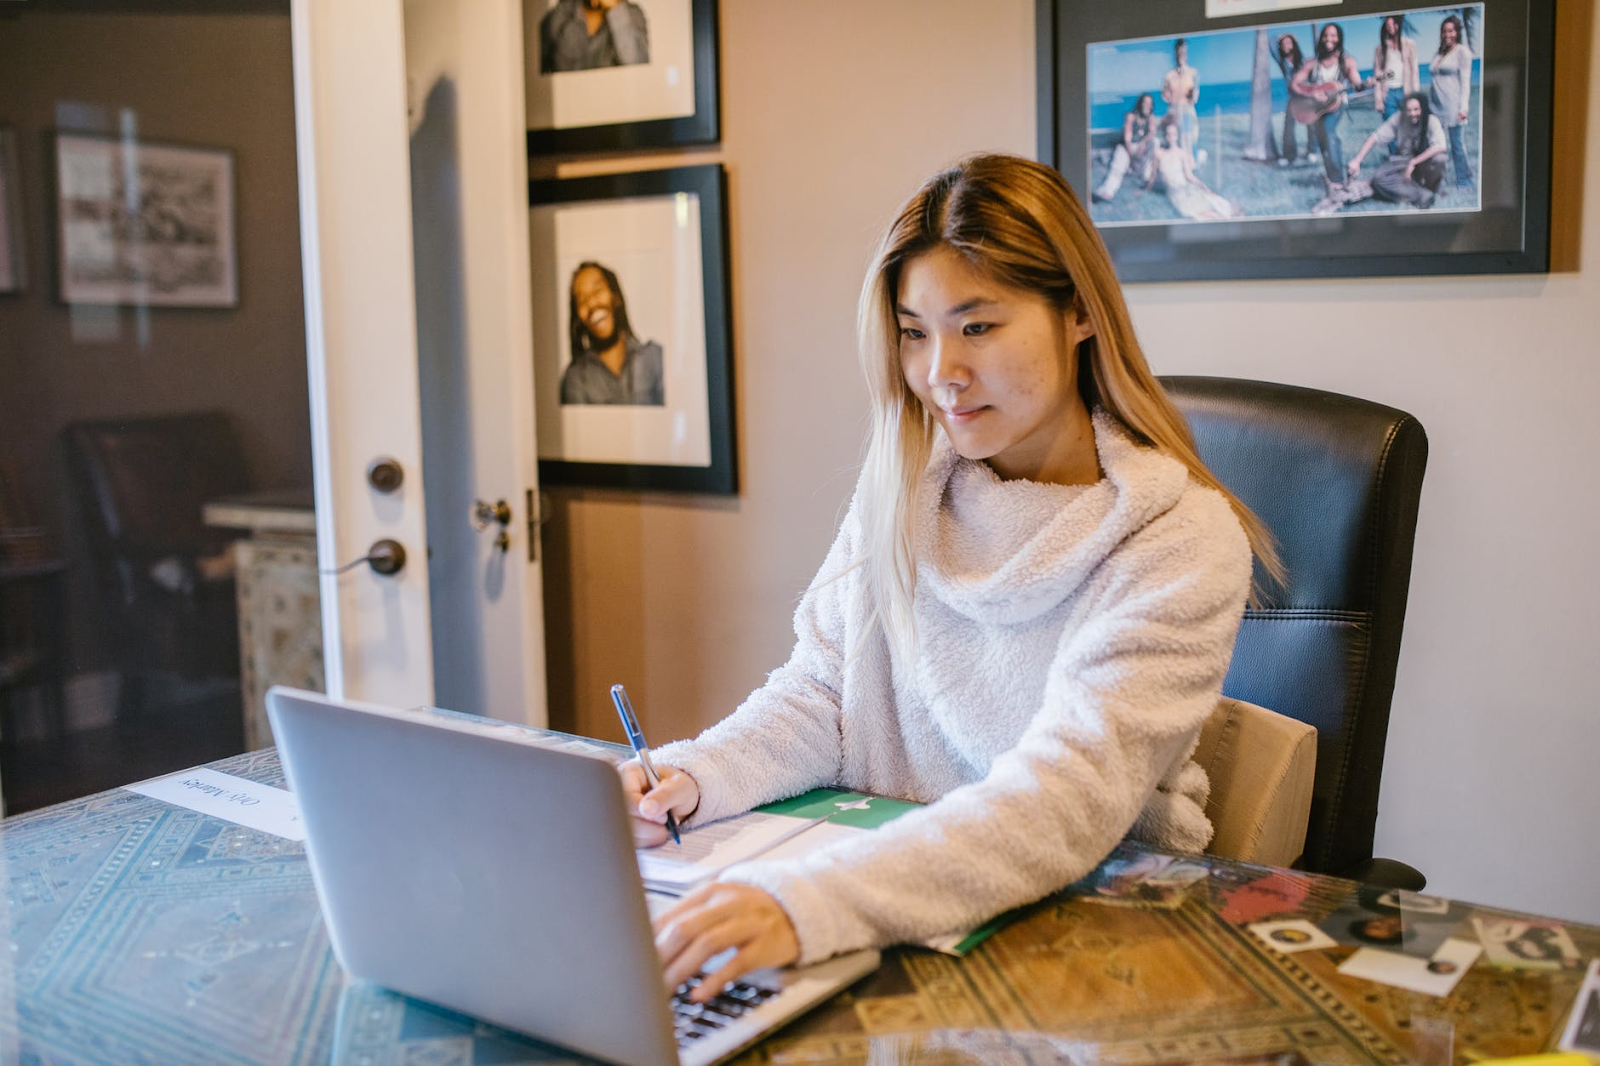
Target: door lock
385,475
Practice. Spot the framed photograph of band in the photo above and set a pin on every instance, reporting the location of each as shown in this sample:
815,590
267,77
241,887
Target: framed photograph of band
144,224
1303,138
611,75
13,272
633,382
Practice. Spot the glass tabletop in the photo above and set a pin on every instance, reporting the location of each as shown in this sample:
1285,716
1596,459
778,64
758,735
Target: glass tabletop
139,931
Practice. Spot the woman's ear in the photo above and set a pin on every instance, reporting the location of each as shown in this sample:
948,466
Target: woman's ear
1079,326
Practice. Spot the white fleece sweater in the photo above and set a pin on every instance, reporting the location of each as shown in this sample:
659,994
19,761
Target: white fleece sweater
1071,642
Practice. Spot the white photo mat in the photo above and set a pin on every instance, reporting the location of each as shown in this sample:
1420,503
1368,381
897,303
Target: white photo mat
663,88
653,245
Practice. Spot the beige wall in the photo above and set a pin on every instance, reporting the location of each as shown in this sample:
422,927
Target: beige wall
1495,731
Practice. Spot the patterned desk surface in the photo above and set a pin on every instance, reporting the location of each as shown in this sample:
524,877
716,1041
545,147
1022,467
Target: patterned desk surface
145,933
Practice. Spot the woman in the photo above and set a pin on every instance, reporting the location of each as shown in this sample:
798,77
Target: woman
1450,94
1290,60
1191,196
1394,63
1135,151
1181,91
1326,78
1023,622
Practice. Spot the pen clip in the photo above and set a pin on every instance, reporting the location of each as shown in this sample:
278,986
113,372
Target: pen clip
630,723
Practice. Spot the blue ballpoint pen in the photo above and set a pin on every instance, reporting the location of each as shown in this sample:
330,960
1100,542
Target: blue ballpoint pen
630,726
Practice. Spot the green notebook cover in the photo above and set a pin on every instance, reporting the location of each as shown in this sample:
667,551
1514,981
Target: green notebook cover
869,812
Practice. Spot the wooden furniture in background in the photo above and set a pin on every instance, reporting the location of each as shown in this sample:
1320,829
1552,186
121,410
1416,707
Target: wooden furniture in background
280,606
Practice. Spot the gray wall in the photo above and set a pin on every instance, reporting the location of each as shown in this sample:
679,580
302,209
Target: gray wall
1495,730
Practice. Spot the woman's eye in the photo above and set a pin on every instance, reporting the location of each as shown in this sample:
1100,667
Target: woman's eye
976,329
911,333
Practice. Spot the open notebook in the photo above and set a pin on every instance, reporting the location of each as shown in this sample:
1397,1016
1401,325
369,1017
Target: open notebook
787,828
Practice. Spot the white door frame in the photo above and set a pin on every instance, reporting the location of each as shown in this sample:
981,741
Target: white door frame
469,167
351,135
357,65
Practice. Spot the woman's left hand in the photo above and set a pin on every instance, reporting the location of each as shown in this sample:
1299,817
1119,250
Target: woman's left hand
714,918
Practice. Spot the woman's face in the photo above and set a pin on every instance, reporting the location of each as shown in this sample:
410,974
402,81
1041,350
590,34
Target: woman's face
1391,27
995,366
1447,34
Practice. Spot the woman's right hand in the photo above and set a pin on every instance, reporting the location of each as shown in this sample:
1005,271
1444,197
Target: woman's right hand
677,793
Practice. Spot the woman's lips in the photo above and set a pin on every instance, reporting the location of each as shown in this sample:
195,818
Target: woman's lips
961,415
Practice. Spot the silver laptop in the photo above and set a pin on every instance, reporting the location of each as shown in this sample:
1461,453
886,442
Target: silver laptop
467,862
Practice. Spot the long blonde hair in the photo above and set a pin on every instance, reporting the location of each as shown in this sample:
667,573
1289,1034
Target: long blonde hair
1018,222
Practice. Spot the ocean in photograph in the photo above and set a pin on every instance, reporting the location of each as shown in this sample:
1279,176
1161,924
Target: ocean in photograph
1228,98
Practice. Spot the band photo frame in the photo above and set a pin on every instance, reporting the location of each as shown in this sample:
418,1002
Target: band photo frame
644,76
633,383
1231,197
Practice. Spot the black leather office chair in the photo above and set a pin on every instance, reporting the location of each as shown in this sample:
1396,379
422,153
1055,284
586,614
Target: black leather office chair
165,583
1337,480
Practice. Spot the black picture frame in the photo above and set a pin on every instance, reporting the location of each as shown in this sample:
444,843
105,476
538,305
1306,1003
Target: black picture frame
704,126
177,248
1507,231
13,250
638,191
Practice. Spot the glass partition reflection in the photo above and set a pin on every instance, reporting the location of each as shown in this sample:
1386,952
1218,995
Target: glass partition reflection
155,456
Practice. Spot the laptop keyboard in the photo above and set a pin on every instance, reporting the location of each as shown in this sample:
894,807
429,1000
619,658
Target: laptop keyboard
692,1022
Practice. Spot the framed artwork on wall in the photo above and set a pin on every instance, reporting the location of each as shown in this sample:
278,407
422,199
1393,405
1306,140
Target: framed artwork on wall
13,261
1303,138
143,223
612,75
632,366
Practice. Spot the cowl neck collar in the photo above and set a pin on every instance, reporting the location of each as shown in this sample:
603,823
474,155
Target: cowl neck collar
1006,551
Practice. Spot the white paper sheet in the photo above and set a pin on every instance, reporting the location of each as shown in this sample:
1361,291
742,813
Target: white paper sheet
233,799
708,850
1432,977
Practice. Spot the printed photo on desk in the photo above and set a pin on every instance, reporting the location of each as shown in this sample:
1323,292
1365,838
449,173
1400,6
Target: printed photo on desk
1355,139
610,75
632,381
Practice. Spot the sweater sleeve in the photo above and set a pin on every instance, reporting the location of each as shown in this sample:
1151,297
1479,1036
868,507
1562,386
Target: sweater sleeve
1124,699
785,738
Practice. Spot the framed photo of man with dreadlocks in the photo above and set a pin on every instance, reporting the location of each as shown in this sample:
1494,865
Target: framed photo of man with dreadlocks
632,369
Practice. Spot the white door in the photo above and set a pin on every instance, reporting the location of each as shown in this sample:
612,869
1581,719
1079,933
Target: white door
419,347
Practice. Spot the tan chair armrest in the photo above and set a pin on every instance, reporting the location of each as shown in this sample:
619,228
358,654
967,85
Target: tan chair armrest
1261,765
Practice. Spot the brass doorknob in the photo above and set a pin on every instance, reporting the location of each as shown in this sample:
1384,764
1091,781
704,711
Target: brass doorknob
486,514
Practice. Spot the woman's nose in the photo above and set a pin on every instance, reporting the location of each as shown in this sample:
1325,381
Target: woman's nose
946,368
